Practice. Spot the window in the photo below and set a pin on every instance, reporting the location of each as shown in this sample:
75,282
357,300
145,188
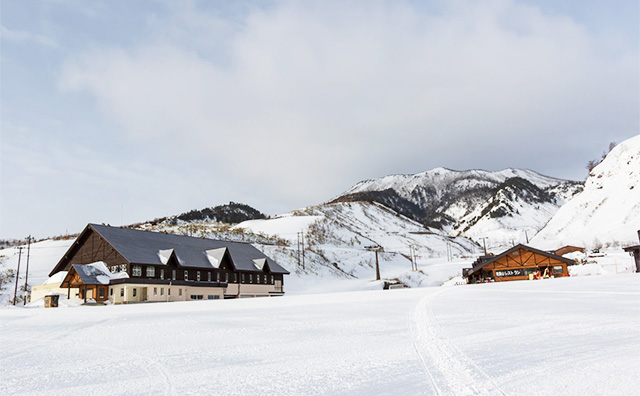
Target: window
210,297
101,292
218,276
114,269
168,291
196,296
235,277
197,275
136,270
272,279
122,292
162,291
111,292
173,274
209,276
151,272
179,292
265,279
162,273
226,277
134,291
155,291
123,268
243,278
186,275
250,278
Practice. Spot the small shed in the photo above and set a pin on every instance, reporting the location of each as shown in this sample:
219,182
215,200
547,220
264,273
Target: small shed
51,300
518,263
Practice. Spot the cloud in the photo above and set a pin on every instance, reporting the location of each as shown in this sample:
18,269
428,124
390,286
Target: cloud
303,99
19,37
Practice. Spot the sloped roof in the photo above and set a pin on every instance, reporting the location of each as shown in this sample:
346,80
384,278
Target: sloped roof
143,247
93,274
484,260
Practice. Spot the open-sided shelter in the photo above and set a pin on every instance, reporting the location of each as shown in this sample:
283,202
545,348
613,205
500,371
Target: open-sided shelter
517,263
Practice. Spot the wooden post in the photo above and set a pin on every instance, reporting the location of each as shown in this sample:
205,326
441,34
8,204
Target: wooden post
85,293
377,267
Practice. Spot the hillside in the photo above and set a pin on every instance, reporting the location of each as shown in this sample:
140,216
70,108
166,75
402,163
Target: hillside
503,206
339,238
607,211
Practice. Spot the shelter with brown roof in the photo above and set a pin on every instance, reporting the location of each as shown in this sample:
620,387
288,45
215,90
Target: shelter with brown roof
518,263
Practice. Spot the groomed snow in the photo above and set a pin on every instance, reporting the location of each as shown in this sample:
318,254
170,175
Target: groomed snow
569,336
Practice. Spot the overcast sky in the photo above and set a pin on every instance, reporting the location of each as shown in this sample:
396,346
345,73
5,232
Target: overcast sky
122,111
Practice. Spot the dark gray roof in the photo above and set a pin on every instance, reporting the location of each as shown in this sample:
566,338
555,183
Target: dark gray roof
143,247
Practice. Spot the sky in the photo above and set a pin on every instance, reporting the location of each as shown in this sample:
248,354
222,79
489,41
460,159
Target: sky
117,111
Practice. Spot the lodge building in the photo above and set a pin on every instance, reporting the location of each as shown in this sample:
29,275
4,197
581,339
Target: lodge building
124,265
518,263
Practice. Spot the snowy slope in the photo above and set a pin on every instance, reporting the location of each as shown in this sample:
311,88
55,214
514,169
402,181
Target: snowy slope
607,211
504,206
338,238
44,256
569,336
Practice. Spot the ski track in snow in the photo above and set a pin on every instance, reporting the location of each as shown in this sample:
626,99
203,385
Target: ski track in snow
451,371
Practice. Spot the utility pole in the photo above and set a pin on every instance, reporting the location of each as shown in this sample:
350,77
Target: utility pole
526,235
15,292
26,278
298,235
484,243
377,265
413,264
302,234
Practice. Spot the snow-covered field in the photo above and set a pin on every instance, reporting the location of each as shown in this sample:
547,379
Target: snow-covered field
569,336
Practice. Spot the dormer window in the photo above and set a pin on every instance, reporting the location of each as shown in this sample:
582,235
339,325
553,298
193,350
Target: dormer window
151,272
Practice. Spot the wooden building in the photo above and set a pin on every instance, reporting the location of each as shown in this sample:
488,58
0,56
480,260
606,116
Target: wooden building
568,249
518,263
154,266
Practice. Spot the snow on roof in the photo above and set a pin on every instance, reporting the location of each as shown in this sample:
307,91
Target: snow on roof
259,263
164,255
215,256
58,277
96,273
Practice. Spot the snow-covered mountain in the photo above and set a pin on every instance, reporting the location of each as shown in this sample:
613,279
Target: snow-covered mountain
504,206
339,237
607,211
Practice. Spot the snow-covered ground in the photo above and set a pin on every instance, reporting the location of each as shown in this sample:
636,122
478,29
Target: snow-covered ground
43,257
569,336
